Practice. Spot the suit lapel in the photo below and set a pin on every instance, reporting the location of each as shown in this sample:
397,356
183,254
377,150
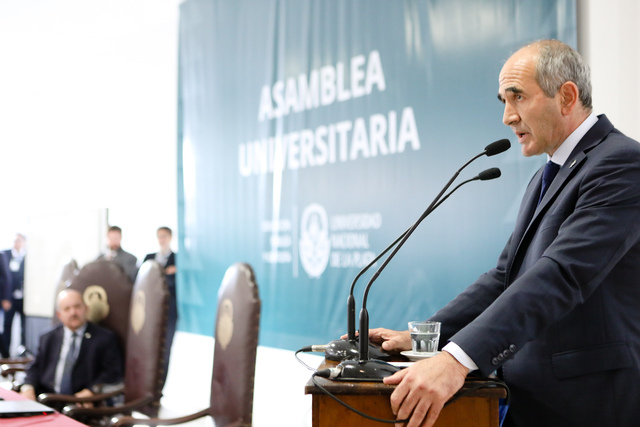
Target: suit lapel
56,344
574,162
564,174
528,208
84,343
52,354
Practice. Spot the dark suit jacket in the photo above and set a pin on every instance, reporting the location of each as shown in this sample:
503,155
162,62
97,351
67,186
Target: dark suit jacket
560,313
127,261
5,279
99,360
171,260
171,284
16,279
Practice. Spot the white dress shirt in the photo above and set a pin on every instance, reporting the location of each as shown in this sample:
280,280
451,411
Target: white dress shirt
66,344
16,259
162,257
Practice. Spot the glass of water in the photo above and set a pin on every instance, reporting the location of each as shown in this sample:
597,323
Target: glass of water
424,336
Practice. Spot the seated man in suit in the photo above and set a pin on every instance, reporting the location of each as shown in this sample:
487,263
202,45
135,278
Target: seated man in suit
127,261
74,357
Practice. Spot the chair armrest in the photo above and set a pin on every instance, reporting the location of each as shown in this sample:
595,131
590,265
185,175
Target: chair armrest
68,398
16,360
122,420
74,410
11,368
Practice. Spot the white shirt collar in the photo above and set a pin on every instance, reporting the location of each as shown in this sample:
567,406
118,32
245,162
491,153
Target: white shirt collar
165,254
80,331
564,150
18,254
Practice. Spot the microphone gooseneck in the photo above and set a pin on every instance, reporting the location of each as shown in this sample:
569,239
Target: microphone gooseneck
375,370
339,350
485,175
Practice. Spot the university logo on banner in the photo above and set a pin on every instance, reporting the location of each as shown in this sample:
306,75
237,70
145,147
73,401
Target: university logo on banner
315,246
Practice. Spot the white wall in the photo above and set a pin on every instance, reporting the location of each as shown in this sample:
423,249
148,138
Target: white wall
54,241
88,113
609,39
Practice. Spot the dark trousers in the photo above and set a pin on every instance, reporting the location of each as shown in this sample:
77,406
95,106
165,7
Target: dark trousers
17,306
171,330
4,352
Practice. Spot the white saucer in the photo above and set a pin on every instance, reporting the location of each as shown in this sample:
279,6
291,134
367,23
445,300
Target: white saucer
415,356
401,364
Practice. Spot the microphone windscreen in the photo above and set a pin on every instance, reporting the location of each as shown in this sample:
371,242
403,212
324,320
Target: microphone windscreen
488,174
497,147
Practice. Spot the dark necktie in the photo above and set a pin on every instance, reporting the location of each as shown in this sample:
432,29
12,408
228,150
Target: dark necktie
65,383
550,171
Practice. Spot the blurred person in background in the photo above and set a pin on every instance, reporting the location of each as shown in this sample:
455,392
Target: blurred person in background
167,260
5,281
13,301
124,259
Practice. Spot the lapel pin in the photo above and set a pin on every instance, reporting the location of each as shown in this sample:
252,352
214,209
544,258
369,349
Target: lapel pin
573,163
87,335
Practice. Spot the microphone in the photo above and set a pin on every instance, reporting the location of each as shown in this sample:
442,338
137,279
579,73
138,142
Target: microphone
485,175
497,147
365,369
340,349
489,174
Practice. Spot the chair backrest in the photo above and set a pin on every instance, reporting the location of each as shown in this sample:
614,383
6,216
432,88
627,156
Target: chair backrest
106,290
236,342
144,358
68,272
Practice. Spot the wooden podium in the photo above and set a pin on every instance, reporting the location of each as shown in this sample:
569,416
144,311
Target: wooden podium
477,409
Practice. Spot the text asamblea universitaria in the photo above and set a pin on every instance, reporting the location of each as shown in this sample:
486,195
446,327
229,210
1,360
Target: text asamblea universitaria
343,141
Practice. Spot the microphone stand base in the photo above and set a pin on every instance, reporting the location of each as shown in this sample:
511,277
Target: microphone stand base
339,350
365,370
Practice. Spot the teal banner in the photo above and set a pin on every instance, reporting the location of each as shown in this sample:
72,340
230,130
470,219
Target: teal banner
313,133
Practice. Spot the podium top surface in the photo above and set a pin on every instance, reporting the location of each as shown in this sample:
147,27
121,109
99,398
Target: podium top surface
378,388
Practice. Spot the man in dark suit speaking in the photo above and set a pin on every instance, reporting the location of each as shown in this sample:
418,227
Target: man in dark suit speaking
74,357
558,318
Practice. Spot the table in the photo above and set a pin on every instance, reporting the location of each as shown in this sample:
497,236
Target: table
478,409
56,419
